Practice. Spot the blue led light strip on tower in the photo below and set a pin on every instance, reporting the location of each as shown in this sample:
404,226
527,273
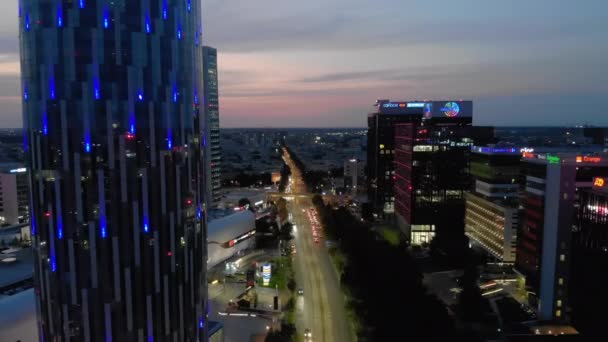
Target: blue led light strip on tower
102,227
45,124
148,24
106,18
59,16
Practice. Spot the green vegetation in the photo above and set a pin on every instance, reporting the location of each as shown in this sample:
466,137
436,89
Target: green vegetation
283,278
282,272
285,173
391,235
285,232
382,283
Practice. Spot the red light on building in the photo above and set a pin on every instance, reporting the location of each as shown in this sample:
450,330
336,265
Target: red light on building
47,214
599,182
169,253
231,243
528,155
130,136
189,201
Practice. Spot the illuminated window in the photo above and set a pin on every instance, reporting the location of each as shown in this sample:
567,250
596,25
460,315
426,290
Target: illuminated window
561,281
559,303
558,313
381,146
562,257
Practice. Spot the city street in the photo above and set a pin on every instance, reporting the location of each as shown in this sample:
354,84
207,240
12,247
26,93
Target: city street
321,307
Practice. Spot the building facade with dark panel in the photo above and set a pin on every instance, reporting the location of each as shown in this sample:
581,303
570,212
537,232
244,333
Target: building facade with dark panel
552,188
491,216
381,153
114,138
212,113
432,168
590,257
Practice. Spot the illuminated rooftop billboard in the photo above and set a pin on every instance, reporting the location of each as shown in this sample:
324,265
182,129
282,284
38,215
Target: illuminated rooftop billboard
428,109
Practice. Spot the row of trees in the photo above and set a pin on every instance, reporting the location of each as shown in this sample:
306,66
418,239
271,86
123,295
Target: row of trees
384,284
285,173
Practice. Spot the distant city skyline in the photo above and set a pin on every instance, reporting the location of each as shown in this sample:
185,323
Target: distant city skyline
320,64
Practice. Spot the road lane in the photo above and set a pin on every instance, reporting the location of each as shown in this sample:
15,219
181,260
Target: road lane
322,308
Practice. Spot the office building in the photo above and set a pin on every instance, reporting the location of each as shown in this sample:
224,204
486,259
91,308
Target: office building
354,173
381,152
114,131
552,185
212,113
594,215
14,195
432,169
589,259
491,217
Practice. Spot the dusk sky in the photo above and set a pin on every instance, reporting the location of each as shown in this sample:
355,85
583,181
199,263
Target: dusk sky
323,63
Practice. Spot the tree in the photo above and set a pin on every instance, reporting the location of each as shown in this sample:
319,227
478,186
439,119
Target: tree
471,302
367,211
317,200
286,334
285,232
243,202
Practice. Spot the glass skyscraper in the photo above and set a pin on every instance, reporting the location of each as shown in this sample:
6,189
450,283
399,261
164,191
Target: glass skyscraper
212,110
115,139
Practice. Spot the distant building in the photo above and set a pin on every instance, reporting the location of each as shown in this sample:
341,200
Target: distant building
354,171
14,195
212,110
491,217
552,183
552,136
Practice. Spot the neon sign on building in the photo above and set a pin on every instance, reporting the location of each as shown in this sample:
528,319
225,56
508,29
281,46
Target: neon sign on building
599,182
588,159
451,109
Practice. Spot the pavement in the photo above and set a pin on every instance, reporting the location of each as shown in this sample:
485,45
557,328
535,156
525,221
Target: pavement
21,269
236,328
322,308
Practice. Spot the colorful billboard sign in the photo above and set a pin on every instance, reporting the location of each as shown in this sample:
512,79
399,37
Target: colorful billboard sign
266,273
429,109
494,150
599,183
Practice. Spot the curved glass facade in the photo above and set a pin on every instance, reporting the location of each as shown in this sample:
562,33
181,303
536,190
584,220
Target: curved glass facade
114,138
